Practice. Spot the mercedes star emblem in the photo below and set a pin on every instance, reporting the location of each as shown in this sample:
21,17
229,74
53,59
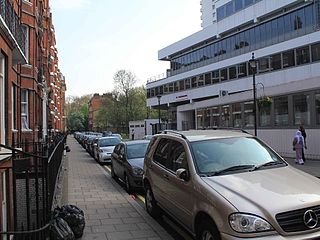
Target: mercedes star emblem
310,219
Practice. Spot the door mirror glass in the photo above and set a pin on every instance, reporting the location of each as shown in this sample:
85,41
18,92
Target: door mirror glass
183,174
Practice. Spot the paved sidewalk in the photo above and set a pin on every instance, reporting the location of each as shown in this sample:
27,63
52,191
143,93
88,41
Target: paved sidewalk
110,212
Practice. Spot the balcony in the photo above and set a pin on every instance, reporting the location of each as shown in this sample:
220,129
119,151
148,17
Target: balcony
10,24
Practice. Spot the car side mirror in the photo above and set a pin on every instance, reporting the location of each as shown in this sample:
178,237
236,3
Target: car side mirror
183,174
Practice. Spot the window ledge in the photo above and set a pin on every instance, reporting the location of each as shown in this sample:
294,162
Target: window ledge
26,130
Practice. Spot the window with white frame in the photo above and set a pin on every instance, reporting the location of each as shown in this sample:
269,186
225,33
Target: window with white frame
2,100
13,107
24,109
26,47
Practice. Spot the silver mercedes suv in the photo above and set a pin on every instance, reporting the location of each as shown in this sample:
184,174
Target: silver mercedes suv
229,185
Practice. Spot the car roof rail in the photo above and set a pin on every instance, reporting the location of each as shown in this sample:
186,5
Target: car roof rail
230,128
174,132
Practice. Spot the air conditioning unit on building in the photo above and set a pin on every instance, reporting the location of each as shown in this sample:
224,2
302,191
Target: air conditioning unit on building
223,93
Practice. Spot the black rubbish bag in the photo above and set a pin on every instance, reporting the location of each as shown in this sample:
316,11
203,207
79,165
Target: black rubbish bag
74,216
61,230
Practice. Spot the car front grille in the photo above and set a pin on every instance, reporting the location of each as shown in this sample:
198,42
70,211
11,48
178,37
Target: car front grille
293,221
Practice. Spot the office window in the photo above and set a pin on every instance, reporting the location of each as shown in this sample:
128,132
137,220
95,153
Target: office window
301,109
317,103
238,5
200,80
281,115
242,70
229,9
315,50
236,115
181,85
24,109
207,78
220,13
170,87
275,61
224,74
165,88
152,92
194,82
248,114
288,59
215,76
232,72
176,86
200,120
225,116
247,3
207,114
264,116
187,83
303,55
264,64
216,116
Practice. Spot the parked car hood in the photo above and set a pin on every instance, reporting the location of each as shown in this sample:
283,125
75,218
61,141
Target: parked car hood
137,162
268,190
107,149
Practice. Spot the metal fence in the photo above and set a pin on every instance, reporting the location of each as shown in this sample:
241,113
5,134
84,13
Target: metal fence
32,187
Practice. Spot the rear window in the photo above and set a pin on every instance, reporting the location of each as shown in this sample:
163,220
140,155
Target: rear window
105,142
136,150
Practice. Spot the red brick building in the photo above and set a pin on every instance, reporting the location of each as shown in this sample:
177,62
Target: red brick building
32,88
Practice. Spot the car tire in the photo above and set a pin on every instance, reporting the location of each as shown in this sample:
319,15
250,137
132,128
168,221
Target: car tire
208,231
151,204
113,175
127,184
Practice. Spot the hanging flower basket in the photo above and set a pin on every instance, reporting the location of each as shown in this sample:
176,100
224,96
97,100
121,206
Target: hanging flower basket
264,102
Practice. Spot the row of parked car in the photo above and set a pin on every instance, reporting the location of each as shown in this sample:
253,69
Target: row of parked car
221,184
125,157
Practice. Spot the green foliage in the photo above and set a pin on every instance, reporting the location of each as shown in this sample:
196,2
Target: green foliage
76,121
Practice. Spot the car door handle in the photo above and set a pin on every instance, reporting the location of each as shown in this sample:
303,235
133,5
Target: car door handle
166,176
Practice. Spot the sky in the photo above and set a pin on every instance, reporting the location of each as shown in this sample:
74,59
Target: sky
96,38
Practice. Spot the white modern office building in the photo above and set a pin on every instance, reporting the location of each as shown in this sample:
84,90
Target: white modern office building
210,81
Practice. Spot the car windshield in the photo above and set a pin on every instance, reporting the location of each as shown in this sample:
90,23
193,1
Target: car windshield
136,150
110,141
231,154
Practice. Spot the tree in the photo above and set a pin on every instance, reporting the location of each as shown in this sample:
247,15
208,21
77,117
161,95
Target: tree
76,122
124,82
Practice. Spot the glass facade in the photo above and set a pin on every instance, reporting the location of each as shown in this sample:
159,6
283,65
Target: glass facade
278,61
281,111
317,103
301,109
232,7
285,27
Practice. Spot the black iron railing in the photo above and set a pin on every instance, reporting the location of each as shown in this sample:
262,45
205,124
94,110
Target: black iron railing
12,21
33,183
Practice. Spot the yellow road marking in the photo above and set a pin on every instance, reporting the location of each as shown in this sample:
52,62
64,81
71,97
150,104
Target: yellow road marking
108,168
141,198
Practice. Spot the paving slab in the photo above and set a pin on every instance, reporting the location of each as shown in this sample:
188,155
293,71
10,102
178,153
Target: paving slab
110,212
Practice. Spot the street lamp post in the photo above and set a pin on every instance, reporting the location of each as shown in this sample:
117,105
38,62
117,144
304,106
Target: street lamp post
159,97
253,65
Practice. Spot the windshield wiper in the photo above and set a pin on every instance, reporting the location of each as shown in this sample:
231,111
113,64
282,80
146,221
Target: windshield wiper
231,169
271,163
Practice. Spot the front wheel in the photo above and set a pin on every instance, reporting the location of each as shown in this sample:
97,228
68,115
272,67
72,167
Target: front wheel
151,204
208,231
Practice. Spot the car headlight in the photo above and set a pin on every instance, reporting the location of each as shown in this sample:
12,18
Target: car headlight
137,171
246,223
